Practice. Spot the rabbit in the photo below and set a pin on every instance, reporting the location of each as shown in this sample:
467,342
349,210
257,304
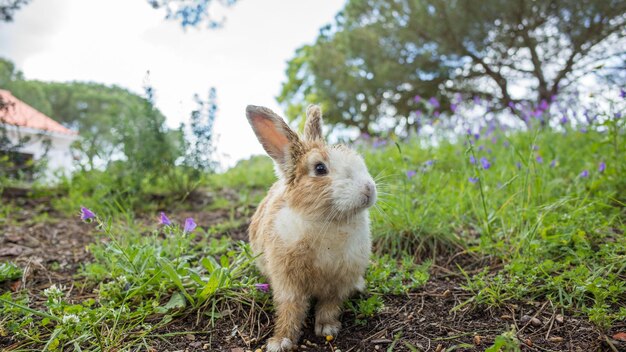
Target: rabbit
311,233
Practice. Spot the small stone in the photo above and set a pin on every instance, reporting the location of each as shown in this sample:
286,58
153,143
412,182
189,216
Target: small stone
376,347
258,350
236,349
559,318
532,320
529,342
205,346
477,340
337,350
439,348
195,344
557,339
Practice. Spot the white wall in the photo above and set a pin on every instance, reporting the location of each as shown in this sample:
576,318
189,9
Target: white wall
59,156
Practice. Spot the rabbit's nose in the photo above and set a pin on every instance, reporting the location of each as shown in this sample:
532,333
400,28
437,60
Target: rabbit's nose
370,188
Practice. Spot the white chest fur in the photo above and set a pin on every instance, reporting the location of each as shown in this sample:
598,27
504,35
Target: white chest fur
335,247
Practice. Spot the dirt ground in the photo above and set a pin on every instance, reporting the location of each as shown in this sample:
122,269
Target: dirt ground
423,320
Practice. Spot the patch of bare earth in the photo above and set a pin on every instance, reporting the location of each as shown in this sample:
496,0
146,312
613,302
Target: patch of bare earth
424,320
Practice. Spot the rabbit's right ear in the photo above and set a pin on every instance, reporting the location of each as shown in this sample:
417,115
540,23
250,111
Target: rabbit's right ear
279,141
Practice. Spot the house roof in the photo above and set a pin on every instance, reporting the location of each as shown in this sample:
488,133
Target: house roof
21,114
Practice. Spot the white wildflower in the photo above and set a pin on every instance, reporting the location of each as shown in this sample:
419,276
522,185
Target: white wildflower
70,319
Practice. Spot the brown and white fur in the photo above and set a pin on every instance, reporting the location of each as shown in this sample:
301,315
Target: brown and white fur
312,231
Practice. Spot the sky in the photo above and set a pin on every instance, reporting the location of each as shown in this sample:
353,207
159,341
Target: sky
118,41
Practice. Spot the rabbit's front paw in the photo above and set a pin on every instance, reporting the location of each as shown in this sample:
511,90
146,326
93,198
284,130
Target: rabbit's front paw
279,344
327,328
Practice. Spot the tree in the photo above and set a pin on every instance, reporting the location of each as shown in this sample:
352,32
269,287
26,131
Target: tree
188,12
200,147
191,12
379,55
8,8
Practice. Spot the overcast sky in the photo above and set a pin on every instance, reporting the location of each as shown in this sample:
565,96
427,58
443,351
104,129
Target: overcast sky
117,41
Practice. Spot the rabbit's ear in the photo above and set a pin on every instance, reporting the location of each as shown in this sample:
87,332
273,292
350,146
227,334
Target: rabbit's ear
313,126
279,141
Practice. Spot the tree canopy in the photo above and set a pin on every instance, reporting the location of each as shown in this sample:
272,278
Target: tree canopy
379,55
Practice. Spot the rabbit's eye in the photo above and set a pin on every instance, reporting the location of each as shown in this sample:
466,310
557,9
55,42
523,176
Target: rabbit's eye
320,169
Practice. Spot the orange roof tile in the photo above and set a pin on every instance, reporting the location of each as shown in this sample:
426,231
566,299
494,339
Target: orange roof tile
21,114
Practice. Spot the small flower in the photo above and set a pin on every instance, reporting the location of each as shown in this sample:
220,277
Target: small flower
70,319
52,291
518,165
410,174
417,98
543,105
429,162
511,105
472,159
453,107
584,174
564,120
477,100
263,287
86,214
535,147
164,220
379,143
602,167
190,225
622,93
539,159
481,148
485,163
473,179
553,163
476,136
434,102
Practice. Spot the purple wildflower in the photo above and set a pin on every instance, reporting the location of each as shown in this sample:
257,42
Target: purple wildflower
436,113
263,287
476,136
602,167
518,165
511,105
564,120
417,98
535,147
453,107
410,174
481,147
584,174
543,105
473,179
190,225
539,159
86,214
553,163
365,136
485,163
379,143
164,220
429,162
477,100
622,93
434,102
472,159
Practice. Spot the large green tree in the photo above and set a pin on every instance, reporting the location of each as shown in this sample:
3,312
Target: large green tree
380,54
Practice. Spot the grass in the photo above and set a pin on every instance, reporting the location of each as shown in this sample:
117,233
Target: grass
555,231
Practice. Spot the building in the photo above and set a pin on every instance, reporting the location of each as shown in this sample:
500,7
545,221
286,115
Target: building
43,136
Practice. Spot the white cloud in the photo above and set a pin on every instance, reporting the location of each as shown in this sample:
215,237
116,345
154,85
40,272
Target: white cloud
117,41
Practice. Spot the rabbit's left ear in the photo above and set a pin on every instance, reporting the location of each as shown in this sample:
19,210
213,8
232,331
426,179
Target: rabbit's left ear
279,141
313,126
